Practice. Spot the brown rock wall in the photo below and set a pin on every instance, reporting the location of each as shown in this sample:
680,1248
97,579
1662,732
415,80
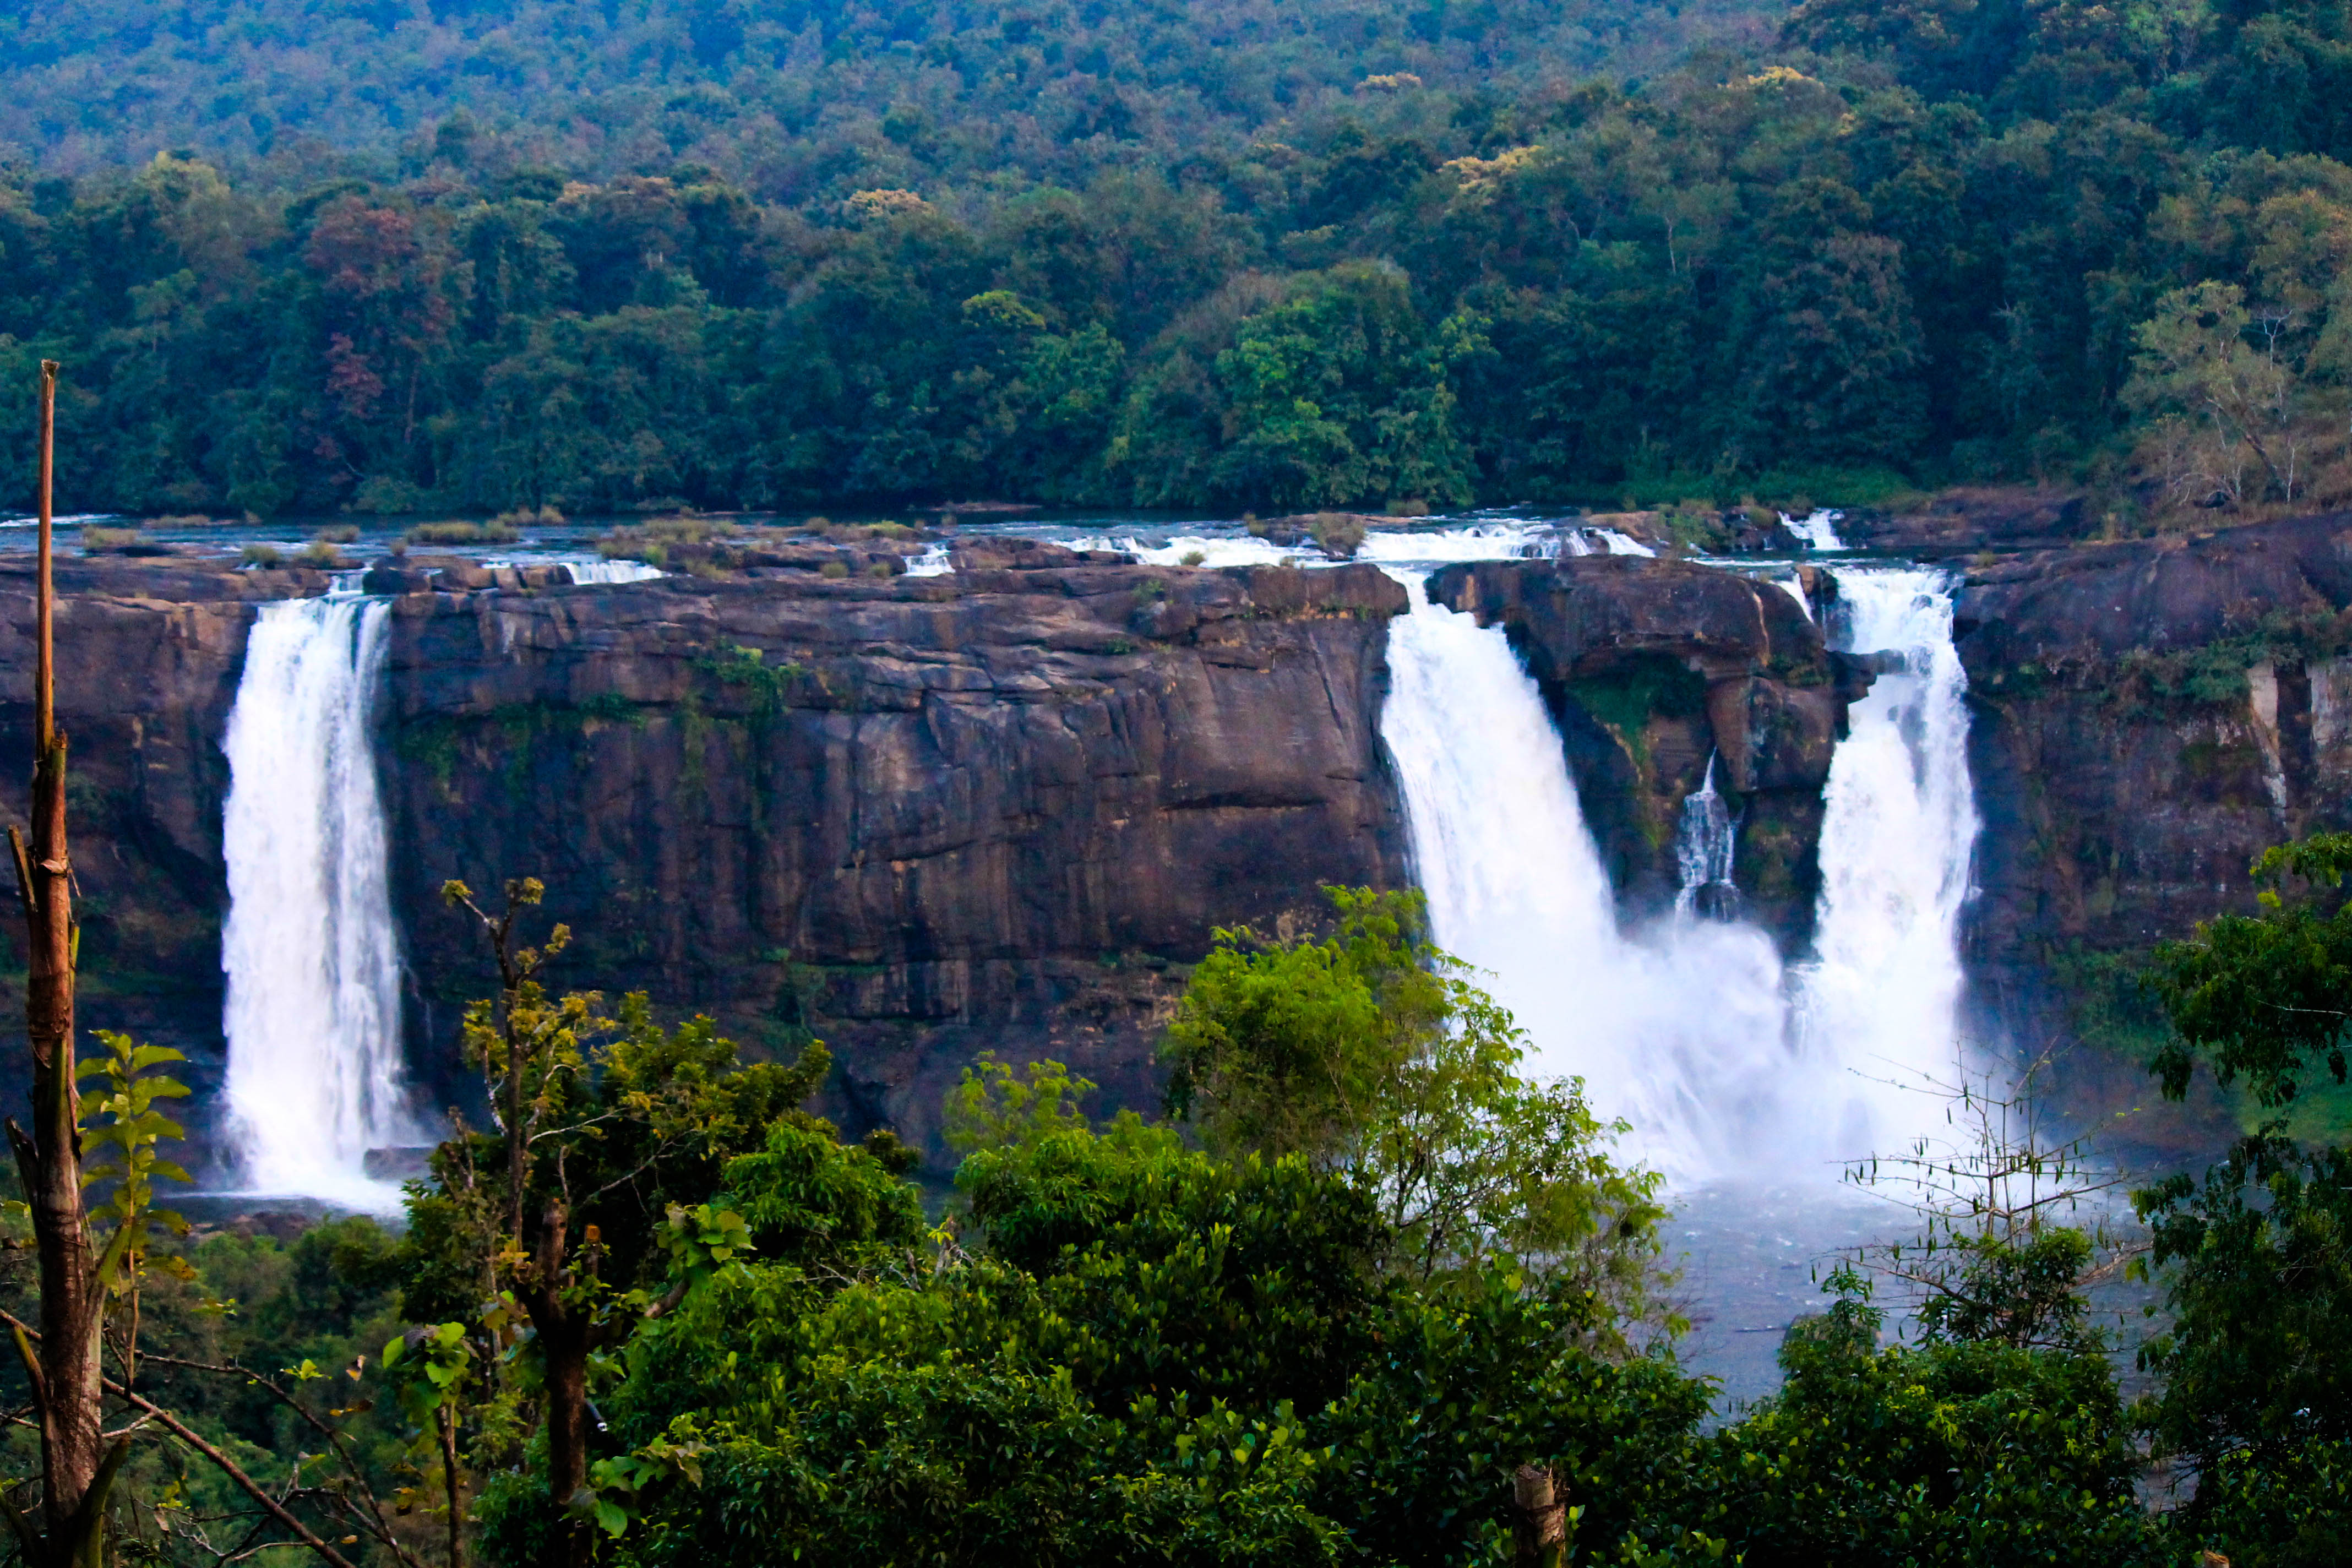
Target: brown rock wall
999,809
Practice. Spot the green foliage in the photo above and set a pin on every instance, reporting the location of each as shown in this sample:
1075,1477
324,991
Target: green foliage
1369,1055
2255,1258
1957,1453
2261,995
1159,1355
2257,1362
993,1106
1206,254
121,1150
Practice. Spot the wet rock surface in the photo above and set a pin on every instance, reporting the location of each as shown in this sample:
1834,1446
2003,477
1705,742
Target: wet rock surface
1002,808
1971,518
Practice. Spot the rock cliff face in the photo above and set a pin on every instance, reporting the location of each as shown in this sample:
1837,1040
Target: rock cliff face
1652,666
927,815
998,809
1002,808
2148,718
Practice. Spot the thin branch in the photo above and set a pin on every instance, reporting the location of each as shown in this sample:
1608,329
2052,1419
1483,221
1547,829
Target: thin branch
228,1466
382,1527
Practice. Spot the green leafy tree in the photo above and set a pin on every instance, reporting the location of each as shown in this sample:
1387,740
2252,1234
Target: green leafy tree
2257,1265
585,1212
1369,1054
1955,1452
2219,399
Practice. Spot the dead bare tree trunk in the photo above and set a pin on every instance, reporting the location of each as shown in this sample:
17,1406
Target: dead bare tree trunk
65,1373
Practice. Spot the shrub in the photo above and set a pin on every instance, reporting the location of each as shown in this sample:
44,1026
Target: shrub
833,569
1340,533
262,555
497,531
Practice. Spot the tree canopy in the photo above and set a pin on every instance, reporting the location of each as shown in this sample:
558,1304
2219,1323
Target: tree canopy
1283,258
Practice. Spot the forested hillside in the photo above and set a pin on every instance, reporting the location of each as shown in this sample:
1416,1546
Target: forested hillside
1896,244
800,99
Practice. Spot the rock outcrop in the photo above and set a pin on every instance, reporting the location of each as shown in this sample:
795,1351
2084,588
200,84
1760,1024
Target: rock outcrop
999,809
2149,717
1970,519
2152,715
1652,666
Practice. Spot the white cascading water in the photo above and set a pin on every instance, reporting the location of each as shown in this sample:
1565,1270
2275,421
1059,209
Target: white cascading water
1680,1030
311,955
1882,993
610,571
1706,848
1818,530
1690,1028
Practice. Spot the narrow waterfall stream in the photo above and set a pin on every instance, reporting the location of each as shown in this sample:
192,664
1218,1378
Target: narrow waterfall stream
1706,851
310,950
1880,1000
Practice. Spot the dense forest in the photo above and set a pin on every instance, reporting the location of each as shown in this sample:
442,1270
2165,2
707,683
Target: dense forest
1179,257
1363,1296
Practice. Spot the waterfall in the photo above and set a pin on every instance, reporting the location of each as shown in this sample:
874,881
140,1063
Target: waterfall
610,571
1621,544
1705,849
1819,530
309,947
1881,996
932,563
1680,1029
1691,1029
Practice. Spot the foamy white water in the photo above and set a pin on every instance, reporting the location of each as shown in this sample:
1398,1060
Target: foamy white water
1690,1028
1680,1029
1706,848
1219,550
932,563
1818,530
1389,547
611,570
311,955
1881,996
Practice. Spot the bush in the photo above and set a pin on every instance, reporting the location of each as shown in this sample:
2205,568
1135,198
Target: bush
836,570
262,555
1962,1453
497,531
1340,534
